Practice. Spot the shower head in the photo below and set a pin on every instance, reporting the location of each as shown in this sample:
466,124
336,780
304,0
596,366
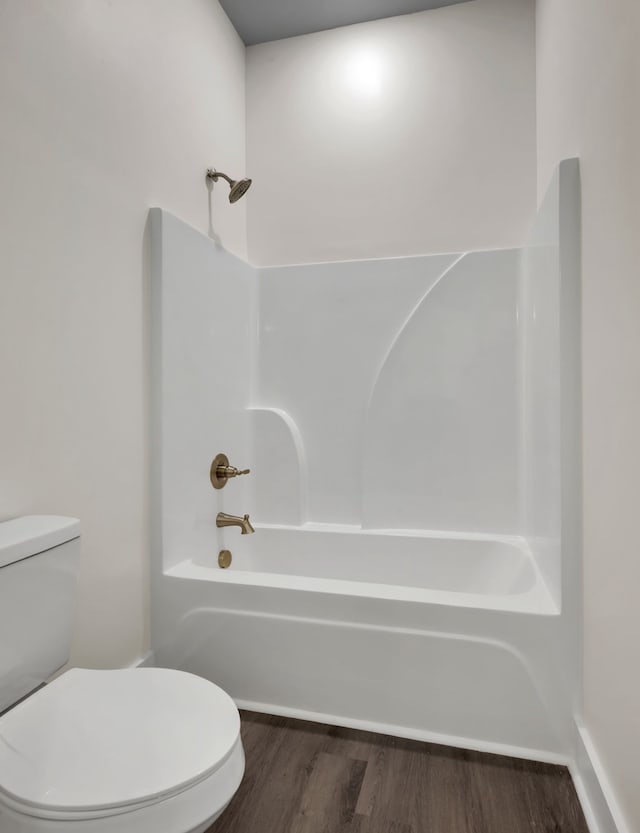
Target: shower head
239,187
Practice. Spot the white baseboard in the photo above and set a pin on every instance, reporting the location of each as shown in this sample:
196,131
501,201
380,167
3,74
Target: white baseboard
404,732
599,804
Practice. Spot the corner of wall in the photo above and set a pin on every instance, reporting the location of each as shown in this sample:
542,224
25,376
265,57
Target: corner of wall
599,804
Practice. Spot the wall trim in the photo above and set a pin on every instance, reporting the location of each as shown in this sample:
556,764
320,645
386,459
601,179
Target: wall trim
408,733
598,800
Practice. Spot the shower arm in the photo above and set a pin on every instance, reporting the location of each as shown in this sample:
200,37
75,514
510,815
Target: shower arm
215,175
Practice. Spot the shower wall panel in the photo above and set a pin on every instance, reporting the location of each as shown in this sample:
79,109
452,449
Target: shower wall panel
324,332
444,407
401,377
549,313
540,319
203,300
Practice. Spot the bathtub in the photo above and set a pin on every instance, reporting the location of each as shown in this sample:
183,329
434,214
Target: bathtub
447,637
496,573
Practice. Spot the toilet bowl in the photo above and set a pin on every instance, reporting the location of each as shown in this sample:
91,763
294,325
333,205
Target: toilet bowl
135,750
129,751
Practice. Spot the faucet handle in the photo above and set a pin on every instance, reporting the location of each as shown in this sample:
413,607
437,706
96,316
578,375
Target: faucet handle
230,471
221,471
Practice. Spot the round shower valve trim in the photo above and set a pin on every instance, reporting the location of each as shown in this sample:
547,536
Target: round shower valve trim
221,472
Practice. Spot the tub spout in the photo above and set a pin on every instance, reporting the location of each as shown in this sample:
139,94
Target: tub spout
222,520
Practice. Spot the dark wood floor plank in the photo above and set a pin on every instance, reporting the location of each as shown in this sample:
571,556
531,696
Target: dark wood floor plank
498,795
352,743
551,800
330,796
447,802
277,772
305,777
367,825
412,787
371,783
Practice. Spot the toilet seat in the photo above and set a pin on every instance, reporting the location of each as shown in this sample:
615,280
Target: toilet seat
94,744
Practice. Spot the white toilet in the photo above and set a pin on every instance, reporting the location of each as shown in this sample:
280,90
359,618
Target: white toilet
137,750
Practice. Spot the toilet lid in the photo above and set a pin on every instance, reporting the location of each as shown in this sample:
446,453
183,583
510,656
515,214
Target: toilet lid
94,740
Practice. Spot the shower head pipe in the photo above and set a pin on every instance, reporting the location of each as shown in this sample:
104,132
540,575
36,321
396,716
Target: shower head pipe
239,187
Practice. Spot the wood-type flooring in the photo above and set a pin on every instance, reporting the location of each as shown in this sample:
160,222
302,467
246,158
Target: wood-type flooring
304,777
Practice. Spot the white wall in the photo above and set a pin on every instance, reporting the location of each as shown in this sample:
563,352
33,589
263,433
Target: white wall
588,93
409,135
107,108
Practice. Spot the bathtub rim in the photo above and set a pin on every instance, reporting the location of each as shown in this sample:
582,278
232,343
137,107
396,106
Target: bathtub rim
538,600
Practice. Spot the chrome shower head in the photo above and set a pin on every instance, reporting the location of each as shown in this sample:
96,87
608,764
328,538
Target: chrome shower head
239,187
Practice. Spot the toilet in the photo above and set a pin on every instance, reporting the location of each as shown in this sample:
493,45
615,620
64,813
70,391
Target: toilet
134,750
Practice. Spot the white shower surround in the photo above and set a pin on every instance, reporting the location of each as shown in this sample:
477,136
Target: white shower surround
344,351
335,610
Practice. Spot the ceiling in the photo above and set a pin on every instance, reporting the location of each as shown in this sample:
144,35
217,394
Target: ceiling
258,21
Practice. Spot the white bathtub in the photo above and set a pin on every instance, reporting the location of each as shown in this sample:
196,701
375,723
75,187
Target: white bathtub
496,573
452,638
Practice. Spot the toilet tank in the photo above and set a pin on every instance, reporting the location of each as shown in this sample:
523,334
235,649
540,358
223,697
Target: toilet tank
39,561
